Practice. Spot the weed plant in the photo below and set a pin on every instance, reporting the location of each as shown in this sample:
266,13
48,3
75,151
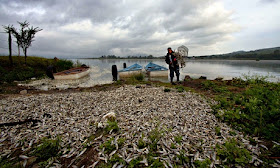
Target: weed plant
47,149
112,126
255,110
35,67
108,146
233,154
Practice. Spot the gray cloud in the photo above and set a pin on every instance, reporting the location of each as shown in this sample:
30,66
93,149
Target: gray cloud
93,28
269,1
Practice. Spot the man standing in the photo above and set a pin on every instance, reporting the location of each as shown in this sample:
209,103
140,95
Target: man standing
171,60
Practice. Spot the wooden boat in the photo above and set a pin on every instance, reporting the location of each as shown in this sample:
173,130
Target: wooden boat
154,70
134,69
73,73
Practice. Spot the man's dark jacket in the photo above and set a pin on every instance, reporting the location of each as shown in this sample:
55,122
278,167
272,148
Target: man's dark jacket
174,60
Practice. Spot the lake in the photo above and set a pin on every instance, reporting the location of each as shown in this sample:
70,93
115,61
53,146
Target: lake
227,69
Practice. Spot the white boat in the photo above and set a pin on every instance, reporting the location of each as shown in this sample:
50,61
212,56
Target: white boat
73,73
134,69
154,70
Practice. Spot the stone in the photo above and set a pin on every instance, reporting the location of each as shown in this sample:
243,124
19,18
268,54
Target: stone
203,77
219,79
23,92
187,77
110,116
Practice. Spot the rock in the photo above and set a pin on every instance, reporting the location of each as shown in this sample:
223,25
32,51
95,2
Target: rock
23,92
219,79
110,116
187,77
203,77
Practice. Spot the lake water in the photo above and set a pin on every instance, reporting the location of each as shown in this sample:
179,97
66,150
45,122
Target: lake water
227,69
101,71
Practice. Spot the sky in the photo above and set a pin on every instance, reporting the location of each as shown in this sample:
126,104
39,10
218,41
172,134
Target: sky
92,28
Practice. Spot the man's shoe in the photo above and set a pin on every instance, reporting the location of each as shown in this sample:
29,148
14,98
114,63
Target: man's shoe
173,83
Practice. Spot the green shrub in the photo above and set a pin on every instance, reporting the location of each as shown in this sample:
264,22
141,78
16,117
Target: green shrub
218,130
154,136
233,154
254,110
138,77
178,139
35,67
183,158
62,65
208,84
121,141
112,125
202,164
108,146
48,148
141,143
180,89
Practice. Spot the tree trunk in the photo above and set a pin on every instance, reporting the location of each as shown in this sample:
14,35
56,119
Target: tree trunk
25,52
18,54
10,49
18,50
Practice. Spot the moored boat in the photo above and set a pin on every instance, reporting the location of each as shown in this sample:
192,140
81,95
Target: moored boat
154,70
73,73
134,69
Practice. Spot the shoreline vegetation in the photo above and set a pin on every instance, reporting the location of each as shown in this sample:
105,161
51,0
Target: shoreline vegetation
249,106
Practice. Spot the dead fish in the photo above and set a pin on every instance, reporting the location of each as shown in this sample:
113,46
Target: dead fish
83,151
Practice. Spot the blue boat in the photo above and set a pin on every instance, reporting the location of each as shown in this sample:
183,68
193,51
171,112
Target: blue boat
154,70
131,70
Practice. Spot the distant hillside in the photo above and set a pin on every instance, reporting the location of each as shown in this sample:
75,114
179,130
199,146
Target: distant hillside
260,54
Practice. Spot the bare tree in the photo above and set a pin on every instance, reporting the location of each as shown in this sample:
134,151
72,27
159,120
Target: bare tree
27,36
9,30
17,35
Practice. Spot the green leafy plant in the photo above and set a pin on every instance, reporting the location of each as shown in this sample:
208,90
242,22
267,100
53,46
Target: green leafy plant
255,110
173,146
183,158
48,148
121,141
108,146
180,89
218,130
154,136
233,153
112,126
178,139
202,164
141,143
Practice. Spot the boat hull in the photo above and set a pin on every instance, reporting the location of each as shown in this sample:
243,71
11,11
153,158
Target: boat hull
80,72
127,74
157,73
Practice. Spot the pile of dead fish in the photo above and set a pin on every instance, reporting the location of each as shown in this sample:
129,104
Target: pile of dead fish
138,110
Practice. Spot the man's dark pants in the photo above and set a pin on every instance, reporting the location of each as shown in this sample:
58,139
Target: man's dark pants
172,70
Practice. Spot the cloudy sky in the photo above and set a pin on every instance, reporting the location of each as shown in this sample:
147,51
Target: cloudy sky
91,28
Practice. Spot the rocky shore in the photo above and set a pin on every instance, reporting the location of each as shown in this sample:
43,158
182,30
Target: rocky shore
183,123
